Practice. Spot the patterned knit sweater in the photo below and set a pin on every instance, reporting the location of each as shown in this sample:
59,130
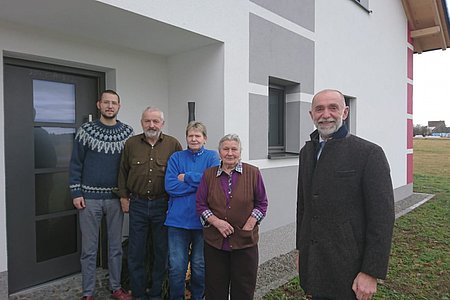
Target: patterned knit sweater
95,159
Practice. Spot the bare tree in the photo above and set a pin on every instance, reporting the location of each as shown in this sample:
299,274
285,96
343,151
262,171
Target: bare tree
421,130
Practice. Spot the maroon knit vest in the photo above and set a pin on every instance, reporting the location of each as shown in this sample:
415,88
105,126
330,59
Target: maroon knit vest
239,209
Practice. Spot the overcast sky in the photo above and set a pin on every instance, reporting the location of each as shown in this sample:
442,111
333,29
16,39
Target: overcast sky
431,96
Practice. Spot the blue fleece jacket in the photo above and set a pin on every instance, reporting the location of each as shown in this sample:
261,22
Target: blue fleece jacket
182,212
95,159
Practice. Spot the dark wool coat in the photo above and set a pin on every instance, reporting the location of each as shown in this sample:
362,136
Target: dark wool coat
345,214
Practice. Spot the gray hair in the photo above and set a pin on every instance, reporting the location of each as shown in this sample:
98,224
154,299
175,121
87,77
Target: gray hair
328,91
151,108
196,125
231,137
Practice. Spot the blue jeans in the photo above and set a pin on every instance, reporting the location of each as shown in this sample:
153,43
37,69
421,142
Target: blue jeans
147,217
180,240
90,220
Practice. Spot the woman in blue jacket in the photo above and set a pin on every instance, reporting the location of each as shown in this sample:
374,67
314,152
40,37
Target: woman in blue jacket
185,231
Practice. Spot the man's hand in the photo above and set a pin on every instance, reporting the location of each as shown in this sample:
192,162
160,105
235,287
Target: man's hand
223,226
125,204
79,203
250,224
364,286
180,177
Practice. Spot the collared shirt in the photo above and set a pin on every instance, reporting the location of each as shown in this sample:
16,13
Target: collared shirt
227,182
321,145
342,132
143,166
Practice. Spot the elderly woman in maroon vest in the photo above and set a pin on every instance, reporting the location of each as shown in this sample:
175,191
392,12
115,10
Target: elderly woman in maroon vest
231,202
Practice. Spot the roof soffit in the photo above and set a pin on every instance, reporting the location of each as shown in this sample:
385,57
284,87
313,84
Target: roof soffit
428,23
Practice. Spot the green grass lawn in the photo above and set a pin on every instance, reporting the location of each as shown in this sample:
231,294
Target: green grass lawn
420,258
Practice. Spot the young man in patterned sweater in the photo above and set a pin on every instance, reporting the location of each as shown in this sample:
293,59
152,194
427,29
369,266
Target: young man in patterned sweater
93,178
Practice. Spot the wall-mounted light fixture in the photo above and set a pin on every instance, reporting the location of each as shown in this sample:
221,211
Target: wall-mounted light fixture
191,110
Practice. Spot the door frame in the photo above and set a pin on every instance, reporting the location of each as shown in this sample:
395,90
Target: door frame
60,69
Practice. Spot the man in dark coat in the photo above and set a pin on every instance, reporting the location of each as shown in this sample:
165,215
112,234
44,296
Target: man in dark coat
345,207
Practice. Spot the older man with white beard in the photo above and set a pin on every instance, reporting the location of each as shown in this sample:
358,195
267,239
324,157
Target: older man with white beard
141,188
345,207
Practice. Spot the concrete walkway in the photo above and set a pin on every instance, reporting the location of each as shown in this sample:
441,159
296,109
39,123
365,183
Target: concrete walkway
271,274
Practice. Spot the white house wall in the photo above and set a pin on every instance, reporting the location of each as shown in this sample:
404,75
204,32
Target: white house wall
282,47
140,79
333,44
364,55
197,76
225,21
360,53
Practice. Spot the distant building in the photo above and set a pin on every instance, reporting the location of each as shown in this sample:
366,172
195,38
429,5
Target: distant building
436,124
438,128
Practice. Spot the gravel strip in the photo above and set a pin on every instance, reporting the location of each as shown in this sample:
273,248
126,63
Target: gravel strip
271,274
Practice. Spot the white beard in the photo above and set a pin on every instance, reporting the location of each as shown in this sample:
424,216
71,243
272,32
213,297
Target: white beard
152,133
328,131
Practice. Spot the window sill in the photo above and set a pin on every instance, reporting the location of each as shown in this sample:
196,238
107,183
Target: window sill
282,155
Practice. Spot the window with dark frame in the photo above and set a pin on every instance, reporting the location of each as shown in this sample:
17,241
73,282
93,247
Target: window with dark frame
277,119
283,104
351,118
347,121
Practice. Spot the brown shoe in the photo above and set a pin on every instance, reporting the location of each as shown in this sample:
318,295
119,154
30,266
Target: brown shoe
120,294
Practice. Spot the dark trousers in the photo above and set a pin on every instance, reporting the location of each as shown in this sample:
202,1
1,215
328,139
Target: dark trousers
146,215
230,272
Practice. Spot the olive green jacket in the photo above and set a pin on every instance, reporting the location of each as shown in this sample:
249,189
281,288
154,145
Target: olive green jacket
143,166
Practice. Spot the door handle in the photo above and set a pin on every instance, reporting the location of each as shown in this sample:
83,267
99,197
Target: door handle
88,118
